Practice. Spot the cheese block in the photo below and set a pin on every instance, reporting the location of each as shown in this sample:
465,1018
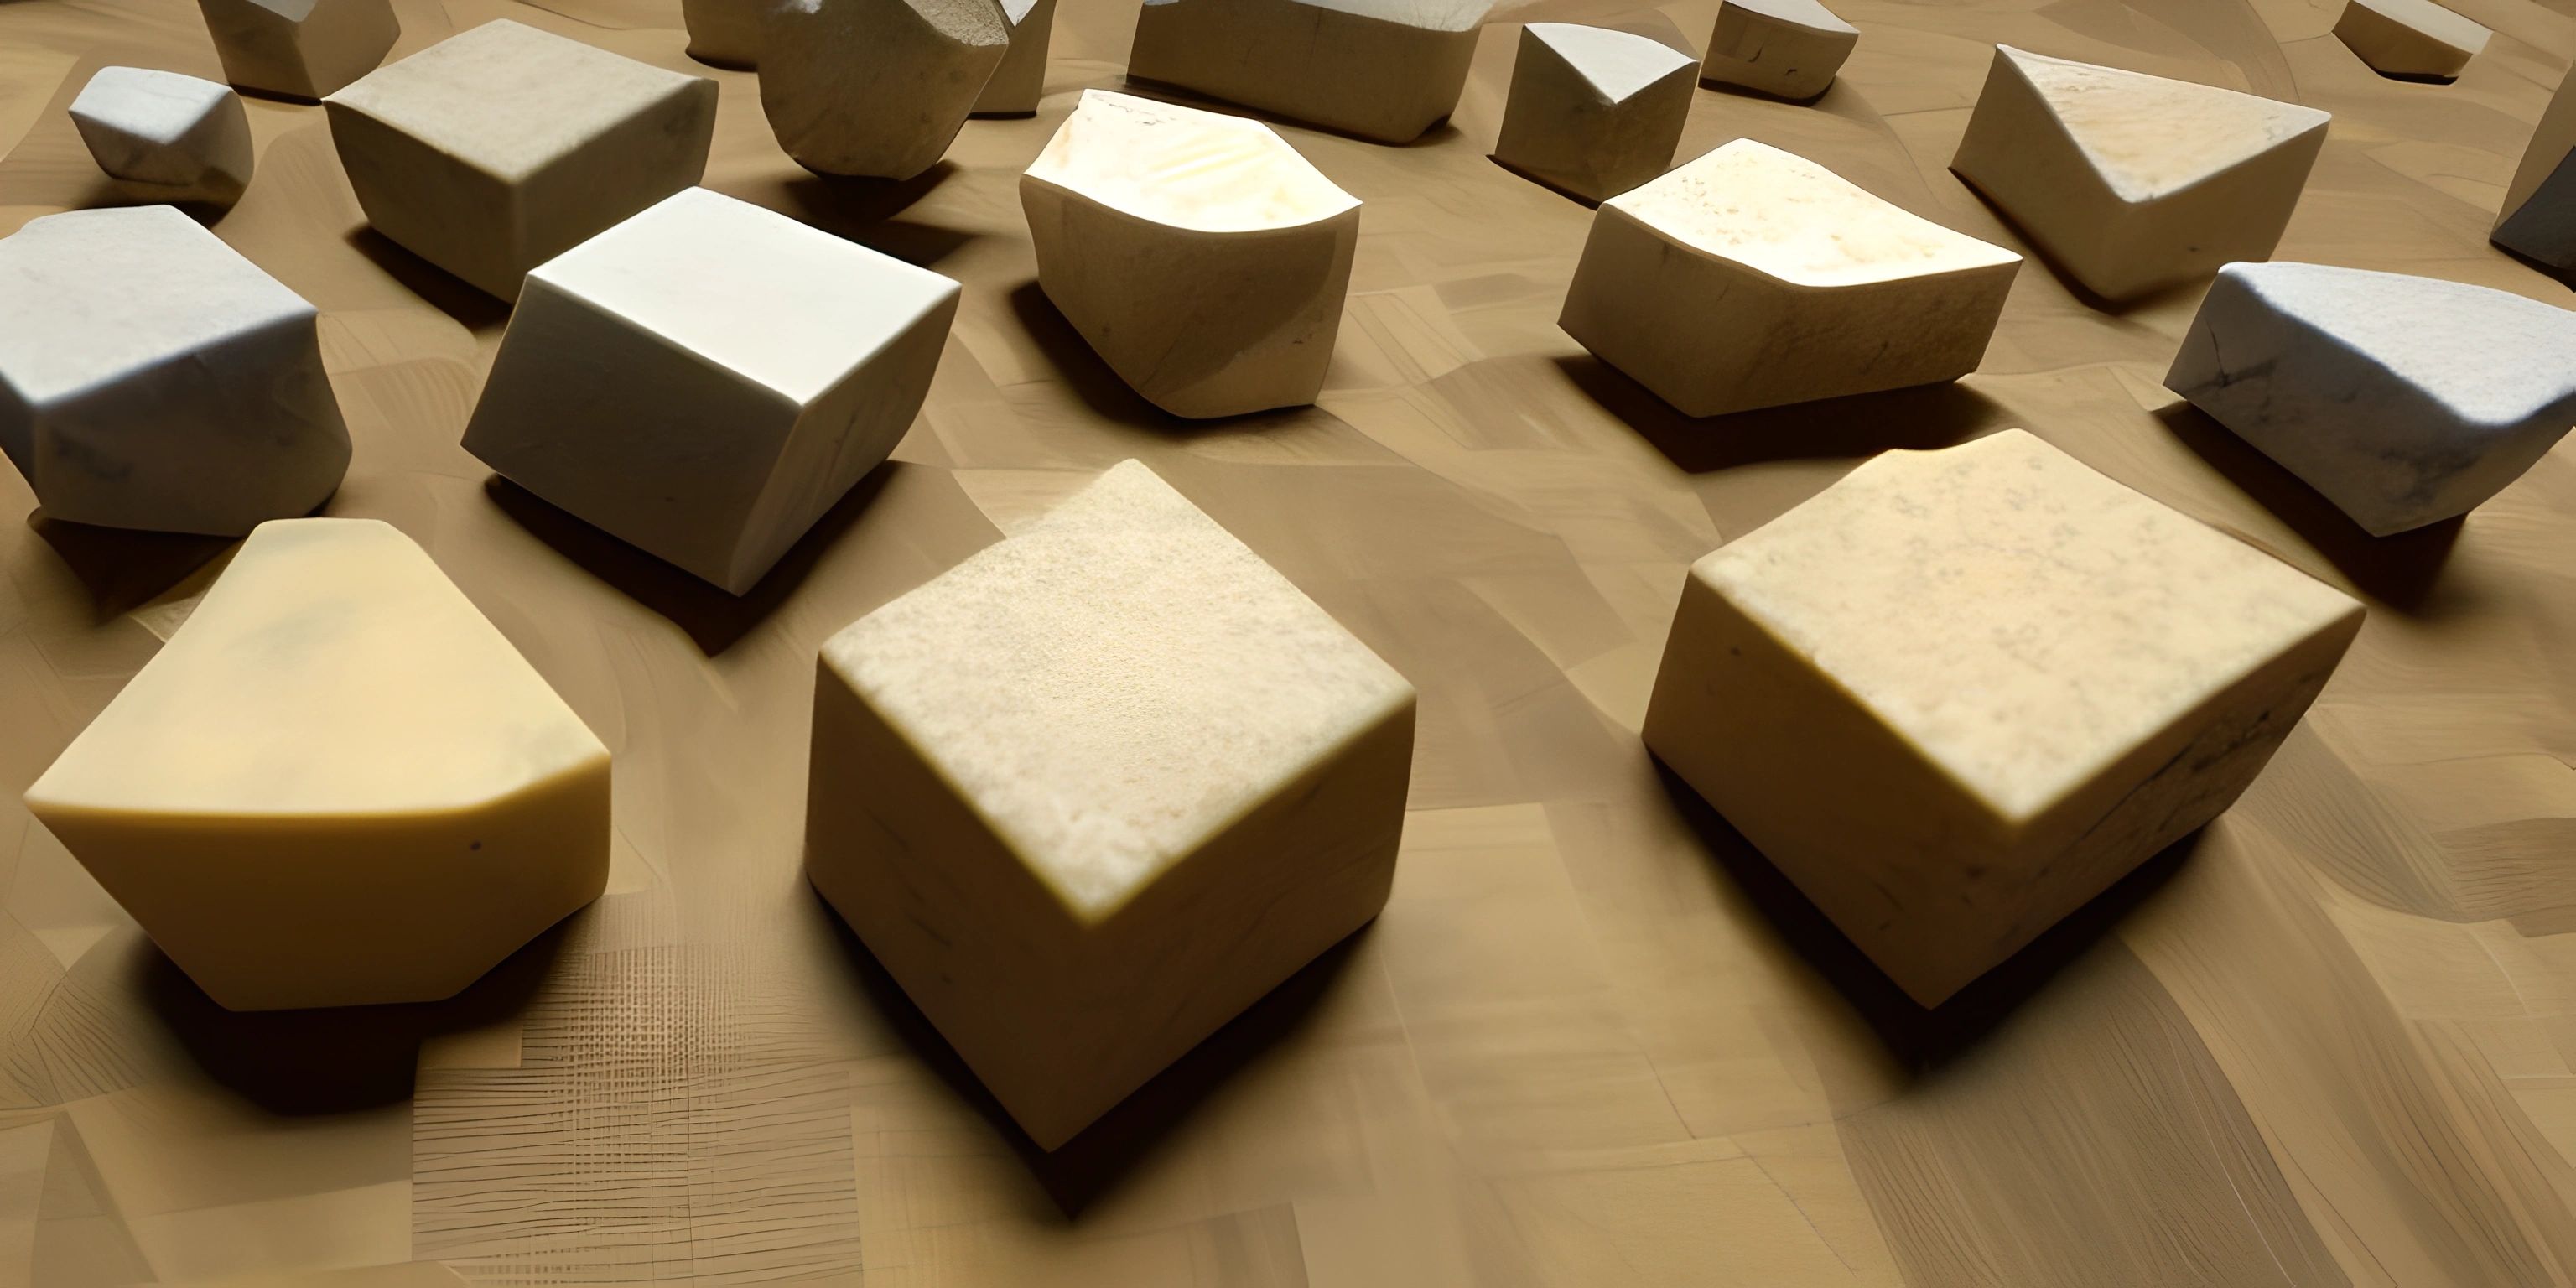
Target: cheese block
1385,70
1593,111
1020,80
171,137
2538,217
1095,790
299,49
1959,693
876,88
2412,39
1788,48
337,783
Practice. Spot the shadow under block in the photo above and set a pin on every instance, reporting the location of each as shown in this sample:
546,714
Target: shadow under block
1201,256
300,49
173,137
724,33
1381,69
2405,400
1594,111
1094,791
151,377
707,378
2131,183
2538,218
337,784
1788,48
876,88
498,149
2409,37
1020,81
1754,277
1960,692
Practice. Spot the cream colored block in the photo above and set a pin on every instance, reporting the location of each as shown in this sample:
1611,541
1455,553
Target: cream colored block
498,149
1754,277
1593,111
1200,255
725,33
300,49
2414,38
1020,81
2538,218
2132,183
876,88
1790,48
336,784
1381,69
1097,789
175,137
1959,693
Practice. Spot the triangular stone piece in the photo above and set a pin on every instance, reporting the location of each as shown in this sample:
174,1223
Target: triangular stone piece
2538,218
1021,79
2414,39
174,137
1593,111
1790,48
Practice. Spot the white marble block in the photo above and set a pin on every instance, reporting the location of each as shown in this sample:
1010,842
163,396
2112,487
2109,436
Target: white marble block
707,378
174,137
876,88
2405,400
1381,69
2132,183
498,149
1788,48
1754,277
151,377
2409,38
1020,81
1097,789
725,33
1593,111
337,784
2538,218
1200,255
1959,693
299,49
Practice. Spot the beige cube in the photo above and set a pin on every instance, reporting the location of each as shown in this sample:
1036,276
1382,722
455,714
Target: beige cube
876,89
2413,39
1593,111
1790,48
299,49
1381,69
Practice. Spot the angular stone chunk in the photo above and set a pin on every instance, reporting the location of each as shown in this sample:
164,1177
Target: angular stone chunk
1754,277
2133,182
502,147
1790,48
2411,38
876,88
1381,69
1020,81
2538,218
1097,789
2405,400
724,33
300,49
337,784
707,378
150,377
1959,693
1593,111
177,137
1200,255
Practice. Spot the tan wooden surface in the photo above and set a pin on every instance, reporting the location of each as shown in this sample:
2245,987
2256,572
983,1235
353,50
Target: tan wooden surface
1593,1039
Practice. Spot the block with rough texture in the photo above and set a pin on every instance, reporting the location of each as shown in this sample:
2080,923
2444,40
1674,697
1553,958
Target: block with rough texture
2405,400
1097,789
725,33
1789,48
300,49
1959,693
2129,182
707,378
876,88
498,149
1200,255
337,784
1381,69
1754,277
151,377
175,137
2538,218
1020,81
2409,38
1593,111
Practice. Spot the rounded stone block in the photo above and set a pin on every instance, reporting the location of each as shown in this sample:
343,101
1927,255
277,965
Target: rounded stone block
1020,81
876,88
1592,111
299,49
1381,69
172,137
1786,48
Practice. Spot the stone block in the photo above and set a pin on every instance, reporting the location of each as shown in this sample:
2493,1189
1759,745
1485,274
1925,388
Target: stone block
1385,70
2414,39
2538,217
1592,111
876,88
1020,81
1787,48
172,137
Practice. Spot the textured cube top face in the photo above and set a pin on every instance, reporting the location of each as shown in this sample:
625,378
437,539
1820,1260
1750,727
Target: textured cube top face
2491,356
1783,215
2150,136
1178,166
1114,685
1616,63
2019,618
154,105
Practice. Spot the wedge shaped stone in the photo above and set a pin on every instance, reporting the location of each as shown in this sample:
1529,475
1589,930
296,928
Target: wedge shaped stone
876,88
1020,81
177,137
1203,259
1593,111
337,784
2538,218
724,33
1754,277
1959,693
707,378
150,377
2130,182
1789,48
502,147
2410,38
1381,69
300,49
1097,789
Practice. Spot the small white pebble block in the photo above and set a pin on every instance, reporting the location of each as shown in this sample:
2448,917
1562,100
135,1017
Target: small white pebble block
1381,69
1099,788
337,784
2412,38
1593,111
151,377
724,33
299,49
706,379
876,88
2538,218
1961,692
1200,255
1753,277
2405,400
1787,48
1020,81
2132,183
175,137
498,149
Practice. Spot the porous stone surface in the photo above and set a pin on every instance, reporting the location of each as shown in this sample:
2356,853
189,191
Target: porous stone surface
1593,111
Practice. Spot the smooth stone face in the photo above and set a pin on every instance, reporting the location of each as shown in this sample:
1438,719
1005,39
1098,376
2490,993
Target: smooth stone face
300,49
1200,255
2405,400
707,378
1754,277
1020,81
876,88
2538,218
1959,693
498,149
2132,183
2415,38
1381,69
1790,48
1593,111
1097,789
150,377
175,137
337,784
725,33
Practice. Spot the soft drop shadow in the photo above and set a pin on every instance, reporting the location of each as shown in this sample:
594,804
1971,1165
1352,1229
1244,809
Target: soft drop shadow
846,205
449,294
1920,416
126,568
1102,390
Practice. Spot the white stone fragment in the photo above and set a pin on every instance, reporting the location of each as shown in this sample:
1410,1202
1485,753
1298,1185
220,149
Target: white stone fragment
876,88
176,137
2538,218
1789,48
2412,38
1381,69
151,377
1593,111
2131,182
1754,277
1198,253
299,49
725,33
1020,81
